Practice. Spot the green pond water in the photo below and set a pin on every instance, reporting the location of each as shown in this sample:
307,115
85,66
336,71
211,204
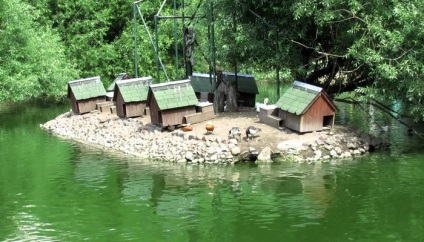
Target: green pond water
52,189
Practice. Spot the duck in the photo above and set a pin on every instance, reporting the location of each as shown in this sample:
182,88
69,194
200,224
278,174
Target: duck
186,128
209,127
235,131
252,131
259,105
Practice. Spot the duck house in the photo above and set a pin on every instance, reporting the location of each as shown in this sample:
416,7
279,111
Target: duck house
202,86
110,90
170,102
246,88
130,96
303,108
84,94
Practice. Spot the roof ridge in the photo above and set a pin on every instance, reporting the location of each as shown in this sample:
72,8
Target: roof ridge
95,79
133,80
173,83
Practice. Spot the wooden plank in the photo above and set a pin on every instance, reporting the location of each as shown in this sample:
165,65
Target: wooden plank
101,103
199,117
105,107
113,109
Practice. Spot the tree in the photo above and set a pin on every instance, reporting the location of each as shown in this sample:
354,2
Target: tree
33,63
370,48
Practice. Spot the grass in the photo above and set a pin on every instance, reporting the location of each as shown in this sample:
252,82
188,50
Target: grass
269,90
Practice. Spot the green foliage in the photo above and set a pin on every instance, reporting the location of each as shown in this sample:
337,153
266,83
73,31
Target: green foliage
371,50
33,63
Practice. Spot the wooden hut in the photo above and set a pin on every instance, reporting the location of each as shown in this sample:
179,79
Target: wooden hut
246,88
202,86
305,108
85,93
170,102
130,96
110,90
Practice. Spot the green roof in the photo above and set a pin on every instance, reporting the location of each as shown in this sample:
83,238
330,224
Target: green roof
133,90
296,100
201,82
175,94
246,83
121,76
87,88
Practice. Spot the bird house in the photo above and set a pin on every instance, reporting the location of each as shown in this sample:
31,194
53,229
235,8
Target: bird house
304,108
170,102
130,96
84,94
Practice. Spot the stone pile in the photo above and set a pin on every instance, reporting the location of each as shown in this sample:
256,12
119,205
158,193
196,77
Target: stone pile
133,136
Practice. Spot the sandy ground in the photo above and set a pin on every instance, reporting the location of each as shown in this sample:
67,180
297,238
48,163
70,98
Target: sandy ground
268,137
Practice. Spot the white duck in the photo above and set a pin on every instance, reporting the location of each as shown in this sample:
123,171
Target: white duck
259,105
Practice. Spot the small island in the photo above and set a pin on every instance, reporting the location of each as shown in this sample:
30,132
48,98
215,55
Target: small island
138,137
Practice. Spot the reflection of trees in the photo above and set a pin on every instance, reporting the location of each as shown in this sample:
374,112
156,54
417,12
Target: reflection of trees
157,189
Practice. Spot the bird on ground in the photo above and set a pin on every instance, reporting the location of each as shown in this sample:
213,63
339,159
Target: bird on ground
259,105
235,131
251,132
186,128
209,127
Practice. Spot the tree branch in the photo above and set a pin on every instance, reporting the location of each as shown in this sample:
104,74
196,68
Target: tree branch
319,52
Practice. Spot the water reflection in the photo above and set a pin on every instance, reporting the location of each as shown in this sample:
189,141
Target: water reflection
59,190
379,124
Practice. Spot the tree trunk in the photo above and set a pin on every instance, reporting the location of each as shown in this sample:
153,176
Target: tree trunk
220,96
232,95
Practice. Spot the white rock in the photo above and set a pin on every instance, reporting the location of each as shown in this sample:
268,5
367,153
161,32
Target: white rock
235,150
265,155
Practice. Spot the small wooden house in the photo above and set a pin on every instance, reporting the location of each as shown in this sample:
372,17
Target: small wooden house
110,90
202,86
85,93
246,88
305,108
130,96
170,102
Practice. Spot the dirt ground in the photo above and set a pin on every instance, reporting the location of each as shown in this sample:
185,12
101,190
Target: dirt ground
268,137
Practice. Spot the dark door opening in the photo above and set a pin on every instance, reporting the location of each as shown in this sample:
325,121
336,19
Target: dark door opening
328,121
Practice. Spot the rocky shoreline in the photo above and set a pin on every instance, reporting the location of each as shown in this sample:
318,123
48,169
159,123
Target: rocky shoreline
136,136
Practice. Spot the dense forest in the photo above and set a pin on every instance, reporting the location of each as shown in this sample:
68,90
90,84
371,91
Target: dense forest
370,50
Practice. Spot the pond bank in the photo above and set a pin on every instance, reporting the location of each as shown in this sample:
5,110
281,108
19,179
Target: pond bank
138,137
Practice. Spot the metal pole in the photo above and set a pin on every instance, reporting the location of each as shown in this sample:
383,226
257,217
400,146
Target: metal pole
278,62
235,44
135,41
153,43
161,7
176,40
184,41
157,48
213,55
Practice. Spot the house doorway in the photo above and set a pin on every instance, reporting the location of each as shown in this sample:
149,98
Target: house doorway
328,121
